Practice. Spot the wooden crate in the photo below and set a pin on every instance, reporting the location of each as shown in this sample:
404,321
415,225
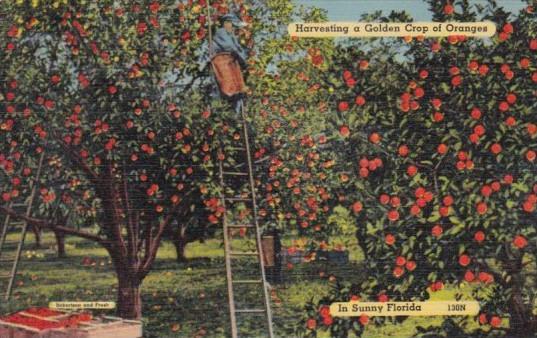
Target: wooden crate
294,258
105,327
269,254
102,327
10,330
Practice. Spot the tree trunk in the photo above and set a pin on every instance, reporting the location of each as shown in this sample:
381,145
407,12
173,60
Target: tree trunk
180,242
129,301
522,320
60,243
37,235
180,247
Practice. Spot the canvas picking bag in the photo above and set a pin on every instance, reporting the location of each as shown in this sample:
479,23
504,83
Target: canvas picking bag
228,74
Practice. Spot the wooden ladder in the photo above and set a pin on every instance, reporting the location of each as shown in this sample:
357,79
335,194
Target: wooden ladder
230,253
11,263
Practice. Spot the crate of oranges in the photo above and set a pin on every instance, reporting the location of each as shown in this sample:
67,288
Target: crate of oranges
47,323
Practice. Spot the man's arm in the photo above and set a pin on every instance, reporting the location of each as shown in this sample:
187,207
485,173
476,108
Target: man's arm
219,42
241,55
225,42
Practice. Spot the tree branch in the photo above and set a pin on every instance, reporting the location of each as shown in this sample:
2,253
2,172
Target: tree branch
55,227
131,233
111,206
92,175
151,252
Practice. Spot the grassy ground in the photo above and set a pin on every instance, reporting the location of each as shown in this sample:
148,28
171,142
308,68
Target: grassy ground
181,299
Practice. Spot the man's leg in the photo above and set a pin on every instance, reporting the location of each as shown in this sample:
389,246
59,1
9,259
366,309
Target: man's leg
238,106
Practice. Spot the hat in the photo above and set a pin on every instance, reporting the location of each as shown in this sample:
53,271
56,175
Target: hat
233,18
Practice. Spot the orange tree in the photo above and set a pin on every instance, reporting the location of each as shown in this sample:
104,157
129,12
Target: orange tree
291,108
115,94
442,151
306,177
93,85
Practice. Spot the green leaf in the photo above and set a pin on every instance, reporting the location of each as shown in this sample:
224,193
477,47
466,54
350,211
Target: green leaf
371,230
435,216
498,59
459,226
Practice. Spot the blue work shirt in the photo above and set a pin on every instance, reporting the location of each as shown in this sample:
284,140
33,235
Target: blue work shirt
223,41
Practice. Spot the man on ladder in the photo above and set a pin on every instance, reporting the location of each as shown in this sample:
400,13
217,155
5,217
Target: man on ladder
228,59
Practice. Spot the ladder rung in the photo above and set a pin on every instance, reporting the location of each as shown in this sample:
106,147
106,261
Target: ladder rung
235,173
10,243
244,199
238,165
3,276
7,259
240,226
16,222
262,159
248,281
243,253
250,310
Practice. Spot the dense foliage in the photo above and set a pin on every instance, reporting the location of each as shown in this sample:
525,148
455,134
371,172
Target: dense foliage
115,93
441,147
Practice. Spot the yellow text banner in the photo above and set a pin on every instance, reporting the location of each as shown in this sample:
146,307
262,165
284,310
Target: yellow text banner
391,29
82,305
387,309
